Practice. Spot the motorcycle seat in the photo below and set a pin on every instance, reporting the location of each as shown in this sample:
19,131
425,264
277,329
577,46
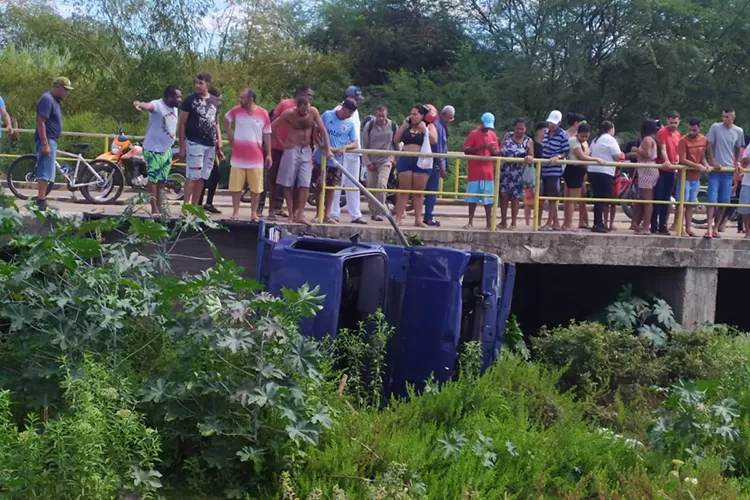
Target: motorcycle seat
81,146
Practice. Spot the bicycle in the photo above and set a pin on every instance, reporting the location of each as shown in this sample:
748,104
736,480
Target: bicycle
100,181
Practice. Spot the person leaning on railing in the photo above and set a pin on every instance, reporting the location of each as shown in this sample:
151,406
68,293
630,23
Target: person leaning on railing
574,174
647,177
691,150
481,141
413,133
515,144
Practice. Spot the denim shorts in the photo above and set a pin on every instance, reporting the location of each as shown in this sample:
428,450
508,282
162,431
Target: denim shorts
409,164
45,165
719,187
200,161
691,190
744,200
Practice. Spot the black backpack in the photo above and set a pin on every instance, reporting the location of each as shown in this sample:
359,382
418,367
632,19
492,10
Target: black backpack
369,121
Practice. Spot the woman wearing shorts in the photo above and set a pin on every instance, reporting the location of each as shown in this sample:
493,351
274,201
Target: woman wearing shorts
515,144
416,126
574,174
647,177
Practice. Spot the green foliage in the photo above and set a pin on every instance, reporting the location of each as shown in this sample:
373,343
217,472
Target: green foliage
470,359
597,357
652,319
101,447
513,338
361,355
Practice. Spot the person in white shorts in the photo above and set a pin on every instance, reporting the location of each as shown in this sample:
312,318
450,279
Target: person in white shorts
295,169
200,136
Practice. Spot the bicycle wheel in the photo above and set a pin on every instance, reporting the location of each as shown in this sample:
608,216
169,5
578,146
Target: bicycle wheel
700,212
245,198
108,189
21,175
174,187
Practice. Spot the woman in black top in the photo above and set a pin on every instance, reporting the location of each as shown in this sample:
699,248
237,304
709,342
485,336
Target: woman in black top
416,127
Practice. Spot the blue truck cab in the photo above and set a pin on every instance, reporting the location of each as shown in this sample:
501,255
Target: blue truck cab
437,298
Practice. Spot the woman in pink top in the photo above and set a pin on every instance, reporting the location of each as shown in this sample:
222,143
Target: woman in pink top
647,177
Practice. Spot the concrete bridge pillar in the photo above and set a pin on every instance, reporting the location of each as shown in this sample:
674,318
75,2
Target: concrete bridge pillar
691,291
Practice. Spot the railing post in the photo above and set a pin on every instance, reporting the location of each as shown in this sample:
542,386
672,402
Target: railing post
496,195
458,174
322,196
681,203
440,188
106,144
537,188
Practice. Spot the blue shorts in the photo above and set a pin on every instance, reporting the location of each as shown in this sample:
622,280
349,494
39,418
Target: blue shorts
691,189
409,164
744,200
45,165
484,188
719,187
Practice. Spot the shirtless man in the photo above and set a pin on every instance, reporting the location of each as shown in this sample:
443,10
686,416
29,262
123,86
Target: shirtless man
296,163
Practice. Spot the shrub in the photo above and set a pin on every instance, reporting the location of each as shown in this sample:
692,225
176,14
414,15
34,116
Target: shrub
596,357
98,449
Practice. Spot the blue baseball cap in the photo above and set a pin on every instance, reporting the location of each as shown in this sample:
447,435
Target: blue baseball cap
488,120
355,93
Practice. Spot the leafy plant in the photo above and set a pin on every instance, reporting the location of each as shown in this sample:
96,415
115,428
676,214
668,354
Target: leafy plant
361,355
101,447
470,360
513,337
652,319
696,422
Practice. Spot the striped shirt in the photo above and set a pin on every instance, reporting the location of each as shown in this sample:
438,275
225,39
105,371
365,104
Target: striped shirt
554,146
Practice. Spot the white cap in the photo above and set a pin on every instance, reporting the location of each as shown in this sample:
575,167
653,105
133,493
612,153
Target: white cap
554,117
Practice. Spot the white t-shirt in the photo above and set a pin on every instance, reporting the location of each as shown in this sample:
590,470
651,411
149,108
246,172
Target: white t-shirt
746,177
162,128
606,148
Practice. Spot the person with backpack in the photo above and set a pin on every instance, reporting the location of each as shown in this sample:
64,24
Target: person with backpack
378,133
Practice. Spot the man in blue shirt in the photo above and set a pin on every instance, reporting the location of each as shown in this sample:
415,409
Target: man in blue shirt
343,135
447,115
555,146
49,127
4,119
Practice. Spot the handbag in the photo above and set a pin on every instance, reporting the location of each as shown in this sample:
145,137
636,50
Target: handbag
425,162
528,178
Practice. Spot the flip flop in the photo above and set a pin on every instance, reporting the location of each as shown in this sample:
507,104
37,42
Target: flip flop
716,235
707,237
331,220
468,226
545,228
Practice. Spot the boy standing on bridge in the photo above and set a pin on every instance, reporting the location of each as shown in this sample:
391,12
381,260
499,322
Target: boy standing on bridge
49,127
160,136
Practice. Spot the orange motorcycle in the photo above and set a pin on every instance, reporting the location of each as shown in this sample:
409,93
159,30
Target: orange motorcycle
128,155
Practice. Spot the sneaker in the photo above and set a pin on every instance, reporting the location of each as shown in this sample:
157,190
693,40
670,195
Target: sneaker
41,204
433,223
359,221
211,209
664,231
599,229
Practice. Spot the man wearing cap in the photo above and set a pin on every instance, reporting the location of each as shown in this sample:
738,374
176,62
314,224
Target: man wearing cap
5,120
555,146
49,127
482,141
352,165
343,136
447,115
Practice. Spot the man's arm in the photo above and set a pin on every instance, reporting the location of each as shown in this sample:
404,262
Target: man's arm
219,150
41,128
366,160
664,156
144,106
279,121
267,148
323,132
682,152
183,143
6,120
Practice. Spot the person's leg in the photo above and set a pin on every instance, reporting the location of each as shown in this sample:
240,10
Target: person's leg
433,184
472,209
333,179
725,196
403,167
212,184
194,166
45,171
547,190
209,157
658,196
514,206
645,194
488,213
570,207
236,185
419,183
504,201
668,191
583,211
371,182
691,195
272,188
254,178
304,178
712,196
353,198
527,207
597,181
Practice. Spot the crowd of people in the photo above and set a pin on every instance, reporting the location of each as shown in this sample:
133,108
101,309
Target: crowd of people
284,149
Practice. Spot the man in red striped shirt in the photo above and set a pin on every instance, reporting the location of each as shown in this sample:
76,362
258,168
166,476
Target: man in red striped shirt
251,150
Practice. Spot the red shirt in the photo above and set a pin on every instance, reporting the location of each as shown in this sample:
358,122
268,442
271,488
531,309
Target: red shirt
481,170
670,140
281,132
249,129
